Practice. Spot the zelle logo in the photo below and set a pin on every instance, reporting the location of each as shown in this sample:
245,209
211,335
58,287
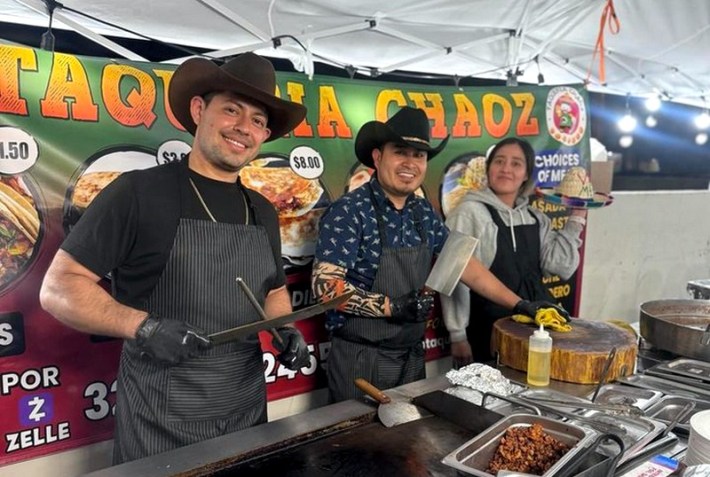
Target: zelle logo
12,334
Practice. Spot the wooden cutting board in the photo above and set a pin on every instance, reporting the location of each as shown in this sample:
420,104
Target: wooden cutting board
577,356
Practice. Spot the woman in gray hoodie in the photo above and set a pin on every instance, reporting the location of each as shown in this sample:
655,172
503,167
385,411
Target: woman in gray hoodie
516,242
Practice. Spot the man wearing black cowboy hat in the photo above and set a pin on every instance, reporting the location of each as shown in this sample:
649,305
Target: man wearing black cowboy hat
175,238
378,241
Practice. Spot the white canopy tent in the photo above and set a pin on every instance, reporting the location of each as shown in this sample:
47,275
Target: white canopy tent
661,47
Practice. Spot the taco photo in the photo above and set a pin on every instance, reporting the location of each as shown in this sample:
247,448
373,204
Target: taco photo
19,228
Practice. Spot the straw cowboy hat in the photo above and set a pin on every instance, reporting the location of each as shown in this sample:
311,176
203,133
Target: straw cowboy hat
575,191
409,126
248,74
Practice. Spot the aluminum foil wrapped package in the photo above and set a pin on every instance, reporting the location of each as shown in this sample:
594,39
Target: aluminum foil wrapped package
471,381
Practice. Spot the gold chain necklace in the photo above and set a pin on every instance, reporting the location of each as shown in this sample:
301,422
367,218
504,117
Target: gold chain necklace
204,206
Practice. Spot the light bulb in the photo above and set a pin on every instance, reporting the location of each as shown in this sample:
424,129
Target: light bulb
702,120
627,123
626,140
701,138
651,121
653,103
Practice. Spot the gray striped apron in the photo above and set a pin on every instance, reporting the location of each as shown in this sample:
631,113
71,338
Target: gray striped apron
160,408
385,353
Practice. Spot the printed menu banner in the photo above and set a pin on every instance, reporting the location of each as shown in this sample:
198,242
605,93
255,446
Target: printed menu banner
70,125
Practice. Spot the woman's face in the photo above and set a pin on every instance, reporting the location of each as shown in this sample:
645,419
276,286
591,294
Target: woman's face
508,170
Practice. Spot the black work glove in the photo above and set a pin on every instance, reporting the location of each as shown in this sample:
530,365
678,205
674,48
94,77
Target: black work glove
169,341
413,307
530,308
294,352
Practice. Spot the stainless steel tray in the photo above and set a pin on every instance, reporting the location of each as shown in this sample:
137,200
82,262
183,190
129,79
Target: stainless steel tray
473,456
629,395
636,432
692,368
696,384
665,386
669,406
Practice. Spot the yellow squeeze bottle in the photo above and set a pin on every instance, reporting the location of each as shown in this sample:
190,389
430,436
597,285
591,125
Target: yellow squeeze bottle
539,354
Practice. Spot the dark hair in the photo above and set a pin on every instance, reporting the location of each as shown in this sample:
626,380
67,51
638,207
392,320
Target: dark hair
528,152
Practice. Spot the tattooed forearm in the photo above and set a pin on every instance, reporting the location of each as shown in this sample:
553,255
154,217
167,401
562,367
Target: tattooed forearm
328,281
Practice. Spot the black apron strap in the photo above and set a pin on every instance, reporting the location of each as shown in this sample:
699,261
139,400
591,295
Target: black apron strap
222,390
518,270
389,353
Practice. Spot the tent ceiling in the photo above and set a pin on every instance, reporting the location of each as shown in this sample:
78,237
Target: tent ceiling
661,46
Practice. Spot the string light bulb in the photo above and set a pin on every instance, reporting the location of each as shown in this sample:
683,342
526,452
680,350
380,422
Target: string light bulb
653,103
702,120
626,141
628,122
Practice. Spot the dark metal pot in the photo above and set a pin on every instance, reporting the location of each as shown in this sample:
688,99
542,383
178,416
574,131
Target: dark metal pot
699,289
678,326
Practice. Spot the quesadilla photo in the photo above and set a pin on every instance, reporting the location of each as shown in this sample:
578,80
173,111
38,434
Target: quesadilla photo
95,174
299,203
291,194
19,228
90,184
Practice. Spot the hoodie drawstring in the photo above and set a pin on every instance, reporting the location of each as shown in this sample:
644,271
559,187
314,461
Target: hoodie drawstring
512,231
511,226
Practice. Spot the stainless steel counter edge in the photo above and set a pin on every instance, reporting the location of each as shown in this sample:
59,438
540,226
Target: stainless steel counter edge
219,452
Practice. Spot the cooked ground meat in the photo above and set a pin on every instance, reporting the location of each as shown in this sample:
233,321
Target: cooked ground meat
526,449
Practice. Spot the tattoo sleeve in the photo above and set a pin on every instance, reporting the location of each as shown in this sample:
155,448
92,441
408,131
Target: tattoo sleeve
328,281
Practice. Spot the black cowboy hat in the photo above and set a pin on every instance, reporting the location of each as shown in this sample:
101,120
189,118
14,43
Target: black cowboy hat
408,126
248,74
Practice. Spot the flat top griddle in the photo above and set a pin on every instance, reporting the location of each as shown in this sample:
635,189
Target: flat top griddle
412,449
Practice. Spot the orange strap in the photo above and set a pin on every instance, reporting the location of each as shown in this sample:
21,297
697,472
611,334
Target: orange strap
608,18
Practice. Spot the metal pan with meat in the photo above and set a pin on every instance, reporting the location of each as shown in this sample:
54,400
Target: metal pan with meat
555,443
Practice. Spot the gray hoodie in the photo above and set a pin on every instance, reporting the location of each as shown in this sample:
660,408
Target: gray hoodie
559,249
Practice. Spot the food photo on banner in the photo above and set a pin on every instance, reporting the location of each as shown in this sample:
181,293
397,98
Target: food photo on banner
70,125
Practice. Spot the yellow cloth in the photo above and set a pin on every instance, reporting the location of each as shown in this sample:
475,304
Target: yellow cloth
624,325
547,317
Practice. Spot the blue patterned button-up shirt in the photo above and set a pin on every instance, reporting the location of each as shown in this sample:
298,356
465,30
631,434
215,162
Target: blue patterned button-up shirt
348,235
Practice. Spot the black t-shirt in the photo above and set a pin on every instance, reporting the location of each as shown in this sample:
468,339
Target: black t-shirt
130,227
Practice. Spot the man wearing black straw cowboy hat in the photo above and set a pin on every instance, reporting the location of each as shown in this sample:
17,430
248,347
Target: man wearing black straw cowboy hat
378,241
175,238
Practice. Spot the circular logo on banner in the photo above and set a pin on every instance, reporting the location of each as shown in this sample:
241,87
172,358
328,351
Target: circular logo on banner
18,151
566,115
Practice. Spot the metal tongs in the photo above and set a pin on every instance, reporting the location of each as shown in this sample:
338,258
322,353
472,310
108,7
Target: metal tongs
602,427
593,406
